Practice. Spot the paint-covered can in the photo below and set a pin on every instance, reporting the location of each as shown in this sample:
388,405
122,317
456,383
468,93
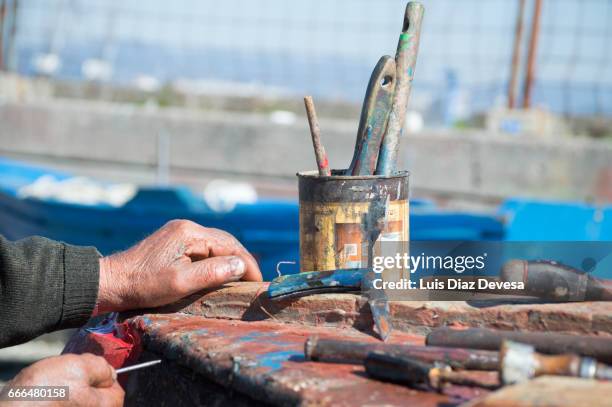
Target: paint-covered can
343,217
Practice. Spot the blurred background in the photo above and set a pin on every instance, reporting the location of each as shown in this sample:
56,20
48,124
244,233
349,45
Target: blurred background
116,116
485,69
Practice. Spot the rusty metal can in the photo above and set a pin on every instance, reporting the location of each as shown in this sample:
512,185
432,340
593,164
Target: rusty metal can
342,217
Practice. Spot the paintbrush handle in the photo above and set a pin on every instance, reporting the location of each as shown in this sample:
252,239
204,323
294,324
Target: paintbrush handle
374,117
405,60
315,132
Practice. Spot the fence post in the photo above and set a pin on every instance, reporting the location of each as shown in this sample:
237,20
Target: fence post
2,18
533,45
516,55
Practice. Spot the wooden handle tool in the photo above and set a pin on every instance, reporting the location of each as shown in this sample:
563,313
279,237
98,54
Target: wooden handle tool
405,61
315,132
374,117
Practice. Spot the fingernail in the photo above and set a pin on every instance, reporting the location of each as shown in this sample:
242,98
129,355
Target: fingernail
114,375
237,266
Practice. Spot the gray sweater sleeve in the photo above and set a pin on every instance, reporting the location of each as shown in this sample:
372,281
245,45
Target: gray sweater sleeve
44,286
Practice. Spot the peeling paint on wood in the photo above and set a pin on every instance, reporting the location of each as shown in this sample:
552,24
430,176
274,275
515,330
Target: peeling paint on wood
265,360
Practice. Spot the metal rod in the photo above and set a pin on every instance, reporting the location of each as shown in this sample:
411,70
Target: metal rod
545,342
11,60
315,132
330,350
2,19
516,55
531,57
137,366
163,158
405,61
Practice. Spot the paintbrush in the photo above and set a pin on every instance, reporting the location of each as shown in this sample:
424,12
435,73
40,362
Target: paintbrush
315,132
405,60
374,117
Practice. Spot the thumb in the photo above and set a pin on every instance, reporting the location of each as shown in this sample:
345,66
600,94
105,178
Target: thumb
99,372
214,271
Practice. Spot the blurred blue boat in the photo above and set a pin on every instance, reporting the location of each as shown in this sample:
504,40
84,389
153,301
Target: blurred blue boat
267,228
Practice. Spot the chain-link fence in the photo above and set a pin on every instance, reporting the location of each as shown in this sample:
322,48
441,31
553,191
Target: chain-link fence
321,47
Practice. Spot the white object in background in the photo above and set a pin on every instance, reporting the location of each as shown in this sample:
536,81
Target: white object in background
78,190
47,64
96,70
283,117
414,122
223,196
147,83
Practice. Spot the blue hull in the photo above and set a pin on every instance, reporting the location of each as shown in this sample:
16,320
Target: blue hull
268,228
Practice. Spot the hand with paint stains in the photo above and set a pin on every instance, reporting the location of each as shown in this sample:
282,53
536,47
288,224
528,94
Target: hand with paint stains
90,379
179,259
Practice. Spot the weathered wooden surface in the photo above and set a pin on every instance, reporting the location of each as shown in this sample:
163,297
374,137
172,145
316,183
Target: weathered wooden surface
236,341
249,302
550,391
265,360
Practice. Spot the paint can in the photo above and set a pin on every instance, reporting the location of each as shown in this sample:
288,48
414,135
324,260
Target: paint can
342,217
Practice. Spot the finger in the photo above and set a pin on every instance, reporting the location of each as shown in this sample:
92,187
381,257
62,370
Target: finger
110,397
210,242
98,371
211,272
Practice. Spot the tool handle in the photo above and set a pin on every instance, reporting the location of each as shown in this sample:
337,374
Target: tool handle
397,369
405,61
599,348
556,282
375,112
343,351
315,132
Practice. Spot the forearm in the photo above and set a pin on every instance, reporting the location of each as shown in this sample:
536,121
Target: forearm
44,286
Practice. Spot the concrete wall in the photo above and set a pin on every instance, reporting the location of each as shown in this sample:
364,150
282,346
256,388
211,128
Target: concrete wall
119,142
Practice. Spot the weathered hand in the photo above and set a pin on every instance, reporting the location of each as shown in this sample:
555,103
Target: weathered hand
177,260
90,379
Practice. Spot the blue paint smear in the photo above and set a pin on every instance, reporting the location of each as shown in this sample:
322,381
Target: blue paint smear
275,360
252,336
263,337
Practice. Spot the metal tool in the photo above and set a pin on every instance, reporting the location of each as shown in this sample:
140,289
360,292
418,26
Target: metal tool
137,366
315,132
545,342
405,61
556,282
375,112
520,362
414,373
331,350
341,280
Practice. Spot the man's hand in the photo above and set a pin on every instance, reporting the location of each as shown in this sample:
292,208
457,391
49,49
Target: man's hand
177,260
91,380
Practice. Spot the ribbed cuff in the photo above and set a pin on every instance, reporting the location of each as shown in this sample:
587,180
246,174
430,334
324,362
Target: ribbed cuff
81,280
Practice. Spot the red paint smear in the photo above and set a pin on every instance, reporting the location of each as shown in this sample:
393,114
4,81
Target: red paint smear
325,163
